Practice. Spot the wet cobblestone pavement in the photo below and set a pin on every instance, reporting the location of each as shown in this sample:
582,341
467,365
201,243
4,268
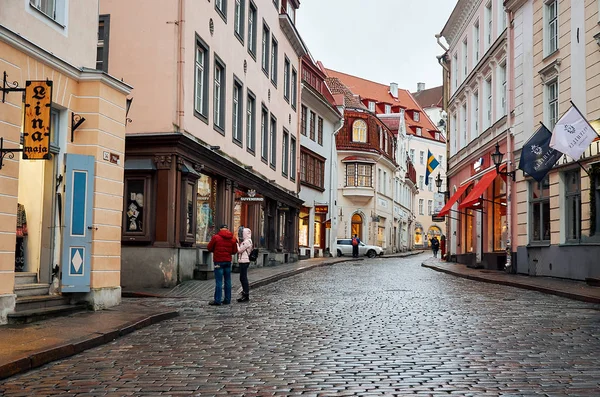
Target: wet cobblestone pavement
376,327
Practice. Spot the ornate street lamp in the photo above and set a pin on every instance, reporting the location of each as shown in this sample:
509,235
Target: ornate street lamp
497,159
438,184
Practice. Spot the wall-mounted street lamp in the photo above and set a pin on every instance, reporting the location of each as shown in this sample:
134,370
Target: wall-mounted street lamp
438,184
497,159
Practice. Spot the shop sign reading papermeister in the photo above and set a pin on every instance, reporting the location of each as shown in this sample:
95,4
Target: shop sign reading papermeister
36,126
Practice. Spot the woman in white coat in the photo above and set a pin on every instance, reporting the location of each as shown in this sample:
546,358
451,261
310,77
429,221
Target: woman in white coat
244,250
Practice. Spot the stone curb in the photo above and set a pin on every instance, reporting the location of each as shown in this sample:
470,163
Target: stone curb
280,276
538,288
39,358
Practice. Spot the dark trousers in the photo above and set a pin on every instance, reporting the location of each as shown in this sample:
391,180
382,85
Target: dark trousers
244,278
355,251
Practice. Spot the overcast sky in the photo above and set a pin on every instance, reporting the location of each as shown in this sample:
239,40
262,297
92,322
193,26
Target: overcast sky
381,40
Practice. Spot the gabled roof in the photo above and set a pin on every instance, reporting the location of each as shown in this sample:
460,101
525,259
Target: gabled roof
380,93
429,98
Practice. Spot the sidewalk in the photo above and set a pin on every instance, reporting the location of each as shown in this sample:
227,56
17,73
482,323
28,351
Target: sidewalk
578,290
27,346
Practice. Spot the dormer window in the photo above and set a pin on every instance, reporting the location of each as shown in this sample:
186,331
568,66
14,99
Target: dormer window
419,131
372,106
437,138
359,131
417,116
388,109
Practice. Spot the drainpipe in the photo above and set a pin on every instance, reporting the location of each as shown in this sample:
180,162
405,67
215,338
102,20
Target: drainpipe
180,65
509,148
437,37
445,93
332,193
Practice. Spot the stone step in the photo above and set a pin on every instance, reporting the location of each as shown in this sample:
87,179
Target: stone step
33,315
32,289
40,302
25,278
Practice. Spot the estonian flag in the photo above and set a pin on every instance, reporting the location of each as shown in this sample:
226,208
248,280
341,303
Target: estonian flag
537,157
572,134
432,163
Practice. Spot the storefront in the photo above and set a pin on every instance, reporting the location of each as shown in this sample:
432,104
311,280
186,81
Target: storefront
479,207
61,179
192,190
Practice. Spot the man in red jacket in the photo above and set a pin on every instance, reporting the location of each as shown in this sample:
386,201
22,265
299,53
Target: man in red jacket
222,245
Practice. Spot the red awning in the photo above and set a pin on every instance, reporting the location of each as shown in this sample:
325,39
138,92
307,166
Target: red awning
481,186
454,199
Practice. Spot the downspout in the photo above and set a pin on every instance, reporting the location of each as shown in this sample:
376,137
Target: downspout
509,143
332,192
180,65
437,37
446,95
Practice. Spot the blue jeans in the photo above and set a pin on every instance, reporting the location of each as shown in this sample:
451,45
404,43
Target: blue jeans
222,269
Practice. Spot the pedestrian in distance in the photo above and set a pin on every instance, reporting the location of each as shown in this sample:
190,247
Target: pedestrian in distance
244,249
443,247
355,244
435,246
222,245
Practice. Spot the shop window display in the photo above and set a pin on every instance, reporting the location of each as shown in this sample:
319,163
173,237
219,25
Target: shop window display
135,206
303,229
206,204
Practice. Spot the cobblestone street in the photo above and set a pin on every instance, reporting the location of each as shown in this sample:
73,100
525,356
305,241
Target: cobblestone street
376,327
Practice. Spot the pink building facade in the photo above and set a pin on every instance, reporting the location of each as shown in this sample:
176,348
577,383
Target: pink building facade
213,136
478,63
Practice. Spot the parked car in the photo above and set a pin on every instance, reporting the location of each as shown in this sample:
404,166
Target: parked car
344,247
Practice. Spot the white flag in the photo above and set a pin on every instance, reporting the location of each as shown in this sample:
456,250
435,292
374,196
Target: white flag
572,134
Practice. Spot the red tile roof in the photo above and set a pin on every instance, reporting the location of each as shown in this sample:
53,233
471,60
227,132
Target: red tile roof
429,98
381,93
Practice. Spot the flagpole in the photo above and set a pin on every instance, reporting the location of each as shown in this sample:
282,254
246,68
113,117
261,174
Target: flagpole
583,117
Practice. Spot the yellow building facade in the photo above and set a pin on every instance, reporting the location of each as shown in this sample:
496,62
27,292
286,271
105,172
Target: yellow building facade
60,218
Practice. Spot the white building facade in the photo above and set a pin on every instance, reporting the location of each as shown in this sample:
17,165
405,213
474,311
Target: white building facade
320,121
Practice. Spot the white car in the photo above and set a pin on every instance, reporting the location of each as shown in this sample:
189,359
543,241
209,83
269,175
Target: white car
344,247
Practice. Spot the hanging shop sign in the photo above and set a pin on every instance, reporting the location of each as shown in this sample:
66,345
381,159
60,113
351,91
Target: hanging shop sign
251,196
321,209
36,126
328,224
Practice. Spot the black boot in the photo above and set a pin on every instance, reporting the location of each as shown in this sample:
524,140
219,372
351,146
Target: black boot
244,298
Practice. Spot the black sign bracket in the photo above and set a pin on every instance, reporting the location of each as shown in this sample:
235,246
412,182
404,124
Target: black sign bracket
10,153
76,121
9,87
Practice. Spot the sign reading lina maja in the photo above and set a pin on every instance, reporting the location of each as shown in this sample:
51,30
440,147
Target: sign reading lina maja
36,126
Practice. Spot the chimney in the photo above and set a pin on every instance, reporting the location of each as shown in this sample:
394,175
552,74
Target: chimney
420,87
394,89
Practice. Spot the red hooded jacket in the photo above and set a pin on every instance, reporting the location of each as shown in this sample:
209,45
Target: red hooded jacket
222,245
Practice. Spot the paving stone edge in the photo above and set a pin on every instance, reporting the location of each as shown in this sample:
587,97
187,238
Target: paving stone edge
39,358
564,294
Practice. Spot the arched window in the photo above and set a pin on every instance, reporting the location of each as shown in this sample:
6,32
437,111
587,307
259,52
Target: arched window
359,131
357,223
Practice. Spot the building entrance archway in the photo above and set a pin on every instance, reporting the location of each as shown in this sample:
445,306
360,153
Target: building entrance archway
357,226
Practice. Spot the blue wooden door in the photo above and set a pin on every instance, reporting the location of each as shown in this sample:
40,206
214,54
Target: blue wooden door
77,233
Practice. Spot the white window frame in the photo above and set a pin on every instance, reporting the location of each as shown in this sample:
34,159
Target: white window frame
372,106
421,183
455,71
464,125
359,131
489,25
488,102
250,121
417,116
429,206
550,24
252,24
412,156
56,10
419,131
239,19
476,41
465,58
503,99
422,157
551,115
237,108
388,109
475,116
421,207
201,82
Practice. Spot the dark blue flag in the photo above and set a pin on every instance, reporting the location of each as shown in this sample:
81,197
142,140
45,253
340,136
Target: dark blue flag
537,157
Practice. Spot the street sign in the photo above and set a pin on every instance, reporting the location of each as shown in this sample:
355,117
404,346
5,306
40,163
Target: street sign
438,218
